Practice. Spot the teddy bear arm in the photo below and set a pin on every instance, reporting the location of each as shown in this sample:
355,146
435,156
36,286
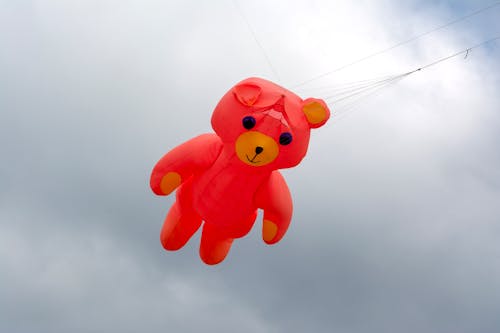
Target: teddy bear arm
183,161
275,199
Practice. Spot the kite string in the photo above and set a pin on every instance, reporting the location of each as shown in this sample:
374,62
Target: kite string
394,77
254,35
345,93
355,96
360,88
478,11
351,104
275,73
343,86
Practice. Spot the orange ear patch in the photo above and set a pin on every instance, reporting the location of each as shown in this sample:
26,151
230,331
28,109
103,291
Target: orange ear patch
247,93
316,112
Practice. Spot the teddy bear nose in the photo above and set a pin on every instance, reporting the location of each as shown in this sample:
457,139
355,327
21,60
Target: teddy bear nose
258,150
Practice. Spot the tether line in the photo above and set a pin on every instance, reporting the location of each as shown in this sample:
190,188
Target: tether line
476,12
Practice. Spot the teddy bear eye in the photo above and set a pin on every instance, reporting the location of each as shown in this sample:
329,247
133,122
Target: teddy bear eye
249,122
285,138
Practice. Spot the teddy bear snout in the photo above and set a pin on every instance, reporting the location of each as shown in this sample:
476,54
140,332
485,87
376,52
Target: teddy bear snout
256,148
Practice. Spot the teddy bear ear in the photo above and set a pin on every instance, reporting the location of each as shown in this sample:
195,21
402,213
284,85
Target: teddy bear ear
247,93
316,112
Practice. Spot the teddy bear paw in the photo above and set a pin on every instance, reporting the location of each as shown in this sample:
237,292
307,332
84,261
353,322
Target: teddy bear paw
170,182
269,231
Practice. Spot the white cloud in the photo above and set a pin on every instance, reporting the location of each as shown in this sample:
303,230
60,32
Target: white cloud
396,212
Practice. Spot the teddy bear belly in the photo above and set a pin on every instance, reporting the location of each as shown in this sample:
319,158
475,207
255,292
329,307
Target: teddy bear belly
224,201
223,207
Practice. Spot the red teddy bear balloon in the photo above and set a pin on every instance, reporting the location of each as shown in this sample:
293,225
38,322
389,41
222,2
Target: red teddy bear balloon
223,178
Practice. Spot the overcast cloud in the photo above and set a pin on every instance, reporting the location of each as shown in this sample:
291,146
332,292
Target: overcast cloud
397,205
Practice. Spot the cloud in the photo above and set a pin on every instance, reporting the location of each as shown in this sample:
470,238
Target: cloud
395,224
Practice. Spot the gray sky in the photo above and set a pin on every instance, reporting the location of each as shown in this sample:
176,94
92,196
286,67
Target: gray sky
397,217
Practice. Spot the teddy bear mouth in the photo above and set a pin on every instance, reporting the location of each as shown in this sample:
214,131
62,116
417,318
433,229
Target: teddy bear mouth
252,160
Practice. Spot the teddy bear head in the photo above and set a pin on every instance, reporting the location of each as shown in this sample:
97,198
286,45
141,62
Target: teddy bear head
267,126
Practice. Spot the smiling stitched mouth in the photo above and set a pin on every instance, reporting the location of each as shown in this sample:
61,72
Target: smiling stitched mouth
252,160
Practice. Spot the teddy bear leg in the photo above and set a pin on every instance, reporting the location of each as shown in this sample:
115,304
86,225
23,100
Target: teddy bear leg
214,245
178,228
181,222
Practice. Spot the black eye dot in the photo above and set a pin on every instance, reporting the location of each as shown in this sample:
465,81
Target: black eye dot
285,138
249,122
